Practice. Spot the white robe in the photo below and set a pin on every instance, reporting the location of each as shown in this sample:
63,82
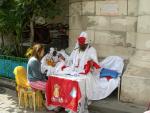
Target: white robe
80,59
99,88
92,81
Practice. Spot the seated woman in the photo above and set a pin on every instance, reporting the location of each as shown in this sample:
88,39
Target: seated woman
35,77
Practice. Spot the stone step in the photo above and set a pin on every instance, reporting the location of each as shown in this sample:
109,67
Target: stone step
8,83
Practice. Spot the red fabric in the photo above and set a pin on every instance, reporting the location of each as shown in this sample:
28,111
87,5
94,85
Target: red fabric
88,65
86,68
108,78
59,93
96,65
63,67
81,40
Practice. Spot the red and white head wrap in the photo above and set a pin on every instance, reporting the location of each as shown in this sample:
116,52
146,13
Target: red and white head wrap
83,38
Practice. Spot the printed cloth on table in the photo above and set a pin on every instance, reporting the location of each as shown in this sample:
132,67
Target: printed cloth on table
62,92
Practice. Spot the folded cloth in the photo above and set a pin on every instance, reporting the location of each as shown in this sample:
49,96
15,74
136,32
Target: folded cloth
107,72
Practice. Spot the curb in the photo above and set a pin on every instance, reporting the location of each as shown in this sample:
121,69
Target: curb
103,109
8,83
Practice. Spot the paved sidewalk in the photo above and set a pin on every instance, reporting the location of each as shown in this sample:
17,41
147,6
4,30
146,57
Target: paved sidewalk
9,104
112,105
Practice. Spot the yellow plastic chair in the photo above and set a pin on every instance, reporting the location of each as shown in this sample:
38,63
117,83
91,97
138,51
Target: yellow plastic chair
27,96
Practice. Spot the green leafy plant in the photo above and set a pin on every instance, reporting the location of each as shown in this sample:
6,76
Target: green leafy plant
15,15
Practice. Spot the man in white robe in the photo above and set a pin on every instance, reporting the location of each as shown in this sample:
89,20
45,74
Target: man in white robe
96,88
82,53
79,58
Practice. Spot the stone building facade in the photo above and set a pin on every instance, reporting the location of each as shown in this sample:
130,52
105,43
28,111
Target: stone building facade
117,27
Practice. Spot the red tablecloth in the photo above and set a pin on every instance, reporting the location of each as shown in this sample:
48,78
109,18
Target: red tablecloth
63,92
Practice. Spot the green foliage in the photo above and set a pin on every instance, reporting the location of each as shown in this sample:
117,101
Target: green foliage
44,8
15,15
7,50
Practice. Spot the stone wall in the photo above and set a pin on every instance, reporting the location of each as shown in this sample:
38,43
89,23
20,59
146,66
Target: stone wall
110,24
118,27
136,79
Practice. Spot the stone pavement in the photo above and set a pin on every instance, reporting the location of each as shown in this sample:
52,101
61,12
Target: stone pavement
112,105
8,103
